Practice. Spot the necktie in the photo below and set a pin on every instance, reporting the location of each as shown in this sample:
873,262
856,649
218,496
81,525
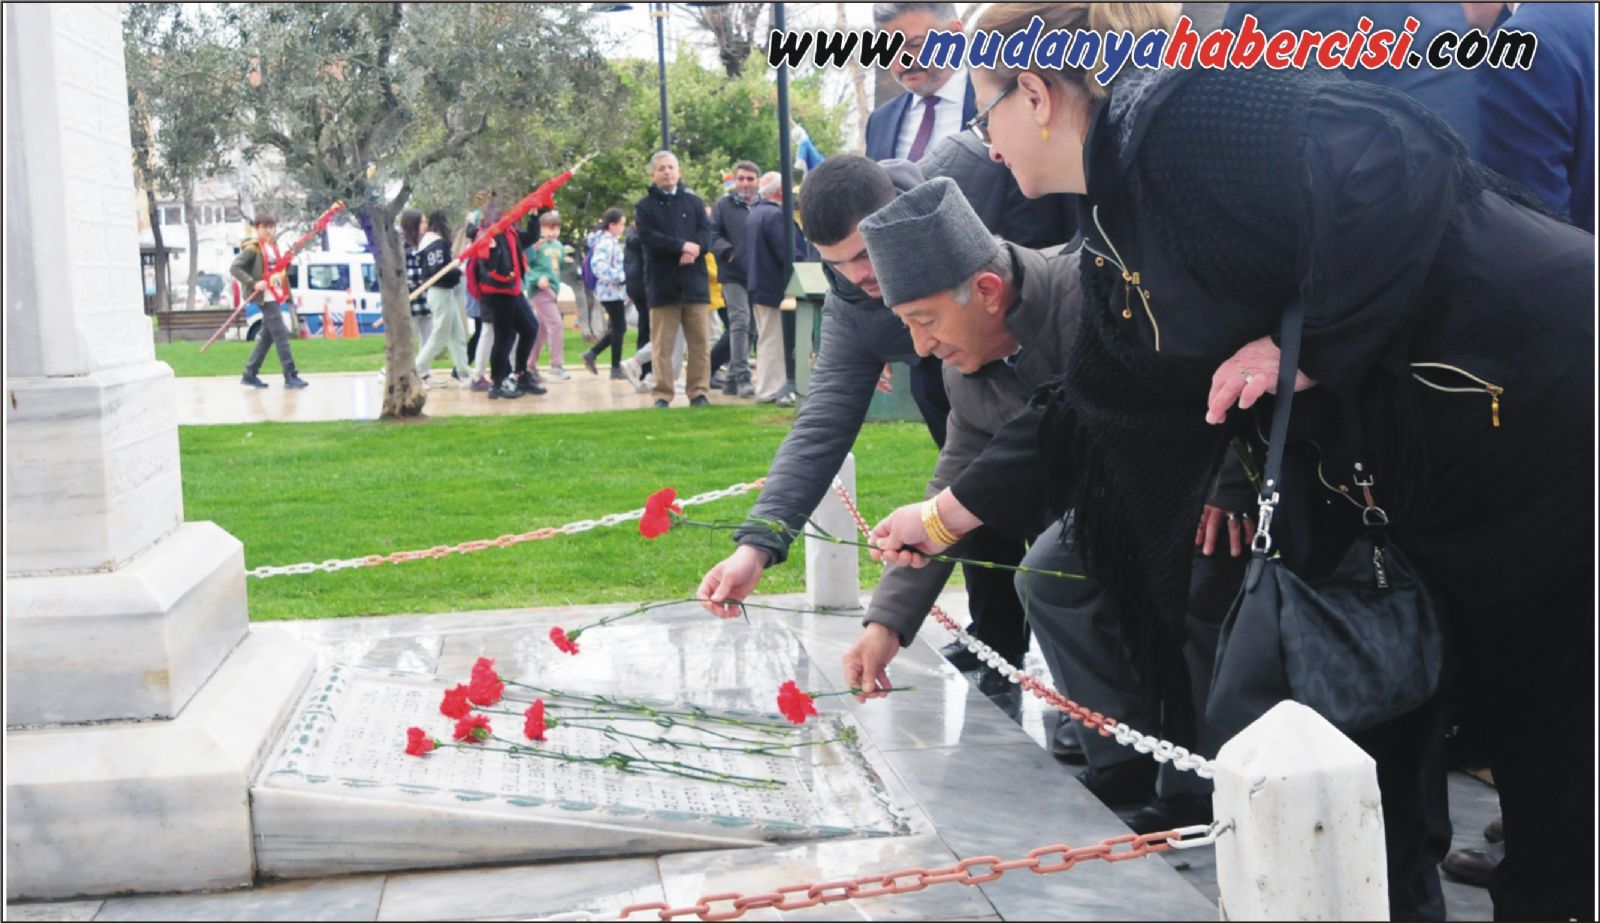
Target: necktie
919,144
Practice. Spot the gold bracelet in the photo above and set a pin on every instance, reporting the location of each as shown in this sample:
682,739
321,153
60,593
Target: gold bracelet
934,525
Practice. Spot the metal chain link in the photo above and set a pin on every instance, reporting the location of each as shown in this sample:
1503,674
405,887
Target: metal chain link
1162,751
976,870
504,541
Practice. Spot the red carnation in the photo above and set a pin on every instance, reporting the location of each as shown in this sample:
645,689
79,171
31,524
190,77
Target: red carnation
534,726
485,690
418,742
474,729
658,510
484,667
455,703
794,704
564,642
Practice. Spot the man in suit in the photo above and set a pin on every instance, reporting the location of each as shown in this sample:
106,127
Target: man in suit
937,102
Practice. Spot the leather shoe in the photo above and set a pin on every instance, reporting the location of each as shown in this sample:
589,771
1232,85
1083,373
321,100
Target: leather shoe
1496,831
1064,742
699,400
293,381
1005,694
1127,784
1474,866
960,658
662,403
1171,813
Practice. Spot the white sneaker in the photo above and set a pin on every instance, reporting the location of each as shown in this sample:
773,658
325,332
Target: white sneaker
559,374
635,374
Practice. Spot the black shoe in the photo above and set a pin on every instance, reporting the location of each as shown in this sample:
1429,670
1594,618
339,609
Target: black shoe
505,391
1475,866
253,381
700,400
1127,784
293,380
528,385
617,374
1006,695
1496,831
1171,813
588,363
960,658
730,388
1065,745
662,403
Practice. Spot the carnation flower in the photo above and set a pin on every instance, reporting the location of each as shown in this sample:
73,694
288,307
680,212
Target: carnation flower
485,690
534,727
795,704
455,703
473,729
658,510
418,742
564,642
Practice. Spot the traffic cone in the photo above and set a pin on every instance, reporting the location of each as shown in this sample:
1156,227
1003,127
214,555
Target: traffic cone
328,332
352,326
299,322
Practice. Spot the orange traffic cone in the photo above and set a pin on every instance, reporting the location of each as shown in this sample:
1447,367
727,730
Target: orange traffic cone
328,332
352,327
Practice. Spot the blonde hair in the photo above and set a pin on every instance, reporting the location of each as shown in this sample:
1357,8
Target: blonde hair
1101,18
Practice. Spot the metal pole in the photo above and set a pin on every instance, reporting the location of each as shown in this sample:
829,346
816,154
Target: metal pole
659,11
785,155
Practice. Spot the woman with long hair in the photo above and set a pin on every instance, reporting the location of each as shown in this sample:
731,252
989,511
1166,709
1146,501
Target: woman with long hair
1448,340
606,263
445,301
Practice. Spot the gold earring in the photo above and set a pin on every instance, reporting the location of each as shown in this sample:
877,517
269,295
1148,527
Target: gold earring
1044,134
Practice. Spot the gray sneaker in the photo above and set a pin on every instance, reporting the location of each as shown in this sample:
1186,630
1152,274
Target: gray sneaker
747,391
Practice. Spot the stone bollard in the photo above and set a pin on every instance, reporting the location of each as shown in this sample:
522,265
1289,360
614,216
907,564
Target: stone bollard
833,571
1306,837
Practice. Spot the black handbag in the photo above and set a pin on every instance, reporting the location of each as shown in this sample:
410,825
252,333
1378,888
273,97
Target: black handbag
1360,646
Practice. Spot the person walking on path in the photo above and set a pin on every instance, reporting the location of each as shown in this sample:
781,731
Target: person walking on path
547,258
606,262
445,300
675,234
250,269
500,274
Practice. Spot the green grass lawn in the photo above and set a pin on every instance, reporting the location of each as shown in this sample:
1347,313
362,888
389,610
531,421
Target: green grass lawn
296,492
227,357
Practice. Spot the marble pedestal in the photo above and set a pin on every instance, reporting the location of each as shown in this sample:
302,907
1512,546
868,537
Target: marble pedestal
150,806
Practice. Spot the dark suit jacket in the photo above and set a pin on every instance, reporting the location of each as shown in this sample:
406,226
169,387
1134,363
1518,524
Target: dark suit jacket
883,126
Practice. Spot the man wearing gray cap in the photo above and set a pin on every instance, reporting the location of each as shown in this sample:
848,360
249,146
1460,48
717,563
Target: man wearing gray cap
1001,318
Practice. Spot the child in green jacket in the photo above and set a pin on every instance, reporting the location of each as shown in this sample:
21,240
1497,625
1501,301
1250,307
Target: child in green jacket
547,258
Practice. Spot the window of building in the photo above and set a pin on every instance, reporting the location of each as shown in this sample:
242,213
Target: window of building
172,214
231,213
328,277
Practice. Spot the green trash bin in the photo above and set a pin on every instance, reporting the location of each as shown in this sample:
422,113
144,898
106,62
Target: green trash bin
808,286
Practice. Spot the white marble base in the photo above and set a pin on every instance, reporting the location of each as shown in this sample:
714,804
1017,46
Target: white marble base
135,643
157,806
91,467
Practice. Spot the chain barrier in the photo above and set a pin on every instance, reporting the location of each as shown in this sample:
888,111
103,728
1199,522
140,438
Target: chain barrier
974,871
504,541
1162,751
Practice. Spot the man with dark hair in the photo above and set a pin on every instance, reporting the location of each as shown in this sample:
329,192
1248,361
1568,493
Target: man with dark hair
728,218
859,337
250,268
937,102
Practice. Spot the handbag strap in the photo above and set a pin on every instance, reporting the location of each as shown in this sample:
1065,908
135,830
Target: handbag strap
1288,365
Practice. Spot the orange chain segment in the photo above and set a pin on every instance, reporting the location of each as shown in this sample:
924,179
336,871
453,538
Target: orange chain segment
908,880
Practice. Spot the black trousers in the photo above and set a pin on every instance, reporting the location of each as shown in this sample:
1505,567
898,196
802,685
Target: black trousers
472,341
616,330
514,325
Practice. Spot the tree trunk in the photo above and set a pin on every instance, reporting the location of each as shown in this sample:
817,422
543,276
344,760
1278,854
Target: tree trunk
858,83
403,394
194,245
159,270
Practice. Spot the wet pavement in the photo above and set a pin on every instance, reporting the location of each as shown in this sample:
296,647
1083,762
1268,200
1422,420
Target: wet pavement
359,396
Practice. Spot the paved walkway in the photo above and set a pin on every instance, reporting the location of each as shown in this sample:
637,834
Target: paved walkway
958,760
359,396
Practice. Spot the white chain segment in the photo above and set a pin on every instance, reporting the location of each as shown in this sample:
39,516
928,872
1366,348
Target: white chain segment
504,541
1162,751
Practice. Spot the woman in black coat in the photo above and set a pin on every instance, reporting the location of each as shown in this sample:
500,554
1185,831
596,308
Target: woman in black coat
1449,339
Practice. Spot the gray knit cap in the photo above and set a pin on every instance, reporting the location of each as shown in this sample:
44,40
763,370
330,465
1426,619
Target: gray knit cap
928,240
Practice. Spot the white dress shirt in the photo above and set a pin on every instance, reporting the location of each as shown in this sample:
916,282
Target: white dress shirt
946,115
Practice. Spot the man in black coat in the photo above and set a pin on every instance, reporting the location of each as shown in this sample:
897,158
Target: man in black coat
675,234
769,268
733,273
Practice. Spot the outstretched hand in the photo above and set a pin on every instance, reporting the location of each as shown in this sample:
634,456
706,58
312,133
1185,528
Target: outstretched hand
866,662
1245,376
730,580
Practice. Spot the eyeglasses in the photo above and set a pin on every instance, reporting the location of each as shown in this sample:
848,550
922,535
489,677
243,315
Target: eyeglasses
980,122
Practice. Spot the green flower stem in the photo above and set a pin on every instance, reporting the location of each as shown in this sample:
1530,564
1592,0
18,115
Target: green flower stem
948,559
625,763
692,712
855,691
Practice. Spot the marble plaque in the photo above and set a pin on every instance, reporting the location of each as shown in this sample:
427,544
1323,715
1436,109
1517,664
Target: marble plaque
340,789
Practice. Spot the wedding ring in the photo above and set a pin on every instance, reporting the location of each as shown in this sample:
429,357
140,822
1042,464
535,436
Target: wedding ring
1248,376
